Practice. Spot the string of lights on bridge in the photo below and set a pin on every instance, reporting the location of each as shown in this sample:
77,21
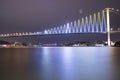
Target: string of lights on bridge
95,23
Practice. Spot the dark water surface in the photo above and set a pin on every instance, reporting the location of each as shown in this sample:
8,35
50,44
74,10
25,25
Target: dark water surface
61,63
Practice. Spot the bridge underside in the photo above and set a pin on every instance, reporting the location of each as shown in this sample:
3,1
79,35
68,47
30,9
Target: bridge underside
62,38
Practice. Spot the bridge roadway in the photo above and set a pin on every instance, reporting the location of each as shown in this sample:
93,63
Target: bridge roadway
62,38
39,34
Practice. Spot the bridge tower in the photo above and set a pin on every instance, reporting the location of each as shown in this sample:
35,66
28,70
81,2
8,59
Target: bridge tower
108,10
108,25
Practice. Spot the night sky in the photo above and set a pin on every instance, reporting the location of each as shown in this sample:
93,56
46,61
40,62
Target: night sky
37,15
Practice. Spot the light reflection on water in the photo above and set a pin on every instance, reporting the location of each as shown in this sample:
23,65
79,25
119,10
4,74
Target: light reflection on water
60,63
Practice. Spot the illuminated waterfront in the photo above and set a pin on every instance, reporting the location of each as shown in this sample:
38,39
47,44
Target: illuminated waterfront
60,63
43,41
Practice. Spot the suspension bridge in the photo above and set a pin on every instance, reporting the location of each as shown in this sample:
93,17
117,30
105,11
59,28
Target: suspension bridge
95,23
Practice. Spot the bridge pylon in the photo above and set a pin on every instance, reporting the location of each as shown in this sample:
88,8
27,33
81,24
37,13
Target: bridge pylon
108,25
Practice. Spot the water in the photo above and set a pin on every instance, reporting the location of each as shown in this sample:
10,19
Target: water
61,63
